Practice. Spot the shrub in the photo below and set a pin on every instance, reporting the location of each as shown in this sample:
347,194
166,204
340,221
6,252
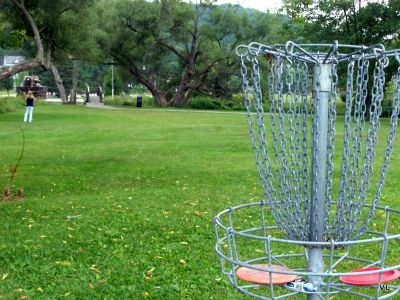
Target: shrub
340,108
148,101
204,102
8,104
236,102
129,100
387,101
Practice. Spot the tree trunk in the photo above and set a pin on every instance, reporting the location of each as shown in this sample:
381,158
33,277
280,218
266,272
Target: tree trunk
160,99
180,97
190,82
59,83
147,81
75,74
158,96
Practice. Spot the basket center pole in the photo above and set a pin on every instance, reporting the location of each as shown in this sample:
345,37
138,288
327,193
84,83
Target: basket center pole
322,86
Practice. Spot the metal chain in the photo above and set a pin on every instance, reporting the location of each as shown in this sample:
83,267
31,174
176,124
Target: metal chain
276,86
262,159
338,221
389,145
304,147
283,163
331,142
371,140
293,200
315,169
356,152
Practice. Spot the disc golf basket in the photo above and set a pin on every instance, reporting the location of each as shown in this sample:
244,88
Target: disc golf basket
320,230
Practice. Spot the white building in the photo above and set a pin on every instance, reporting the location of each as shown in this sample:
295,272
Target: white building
10,60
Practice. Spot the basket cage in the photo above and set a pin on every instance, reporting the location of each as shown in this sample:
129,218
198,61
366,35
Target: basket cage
322,174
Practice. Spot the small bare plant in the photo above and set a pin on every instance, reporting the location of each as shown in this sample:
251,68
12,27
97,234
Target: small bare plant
7,191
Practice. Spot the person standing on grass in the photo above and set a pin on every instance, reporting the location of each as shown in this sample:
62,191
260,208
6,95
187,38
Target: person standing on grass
29,107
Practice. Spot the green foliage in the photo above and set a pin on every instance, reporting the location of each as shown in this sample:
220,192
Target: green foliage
236,102
12,38
108,82
129,100
9,104
19,78
340,108
67,28
387,101
203,102
153,41
348,21
7,84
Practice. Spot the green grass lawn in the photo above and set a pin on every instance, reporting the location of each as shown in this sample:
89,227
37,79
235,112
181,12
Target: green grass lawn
119,203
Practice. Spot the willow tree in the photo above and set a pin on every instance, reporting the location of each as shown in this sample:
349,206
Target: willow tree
176,49
21,20
349,21
159,43
55,31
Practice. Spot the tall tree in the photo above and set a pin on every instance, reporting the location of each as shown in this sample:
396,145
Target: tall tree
143,40
175,48
349,21
61,29
147,38
41,57
227,27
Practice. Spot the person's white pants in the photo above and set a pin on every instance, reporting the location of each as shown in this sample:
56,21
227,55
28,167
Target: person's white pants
28,114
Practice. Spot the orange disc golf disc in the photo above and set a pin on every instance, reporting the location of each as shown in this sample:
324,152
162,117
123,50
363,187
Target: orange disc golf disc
370,279
264,277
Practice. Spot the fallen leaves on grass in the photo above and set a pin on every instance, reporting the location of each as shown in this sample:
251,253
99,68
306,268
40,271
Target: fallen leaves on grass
200,213
73,217
94,268
63,263
4,276
182,261
146,294
149,273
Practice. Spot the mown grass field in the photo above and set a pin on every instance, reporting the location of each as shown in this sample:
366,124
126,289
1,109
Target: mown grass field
119,203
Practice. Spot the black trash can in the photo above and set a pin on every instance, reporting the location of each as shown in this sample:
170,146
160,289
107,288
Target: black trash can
139,101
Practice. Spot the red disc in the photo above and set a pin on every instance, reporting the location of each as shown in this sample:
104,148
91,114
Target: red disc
369,279
263,277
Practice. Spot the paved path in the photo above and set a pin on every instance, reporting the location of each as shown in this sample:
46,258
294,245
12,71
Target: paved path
93,102
99,105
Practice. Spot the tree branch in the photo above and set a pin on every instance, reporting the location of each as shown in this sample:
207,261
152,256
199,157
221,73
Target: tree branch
32,24
64,10
39,60
128,24
169,47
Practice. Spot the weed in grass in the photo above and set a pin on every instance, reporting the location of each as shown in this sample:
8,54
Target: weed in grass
8,194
